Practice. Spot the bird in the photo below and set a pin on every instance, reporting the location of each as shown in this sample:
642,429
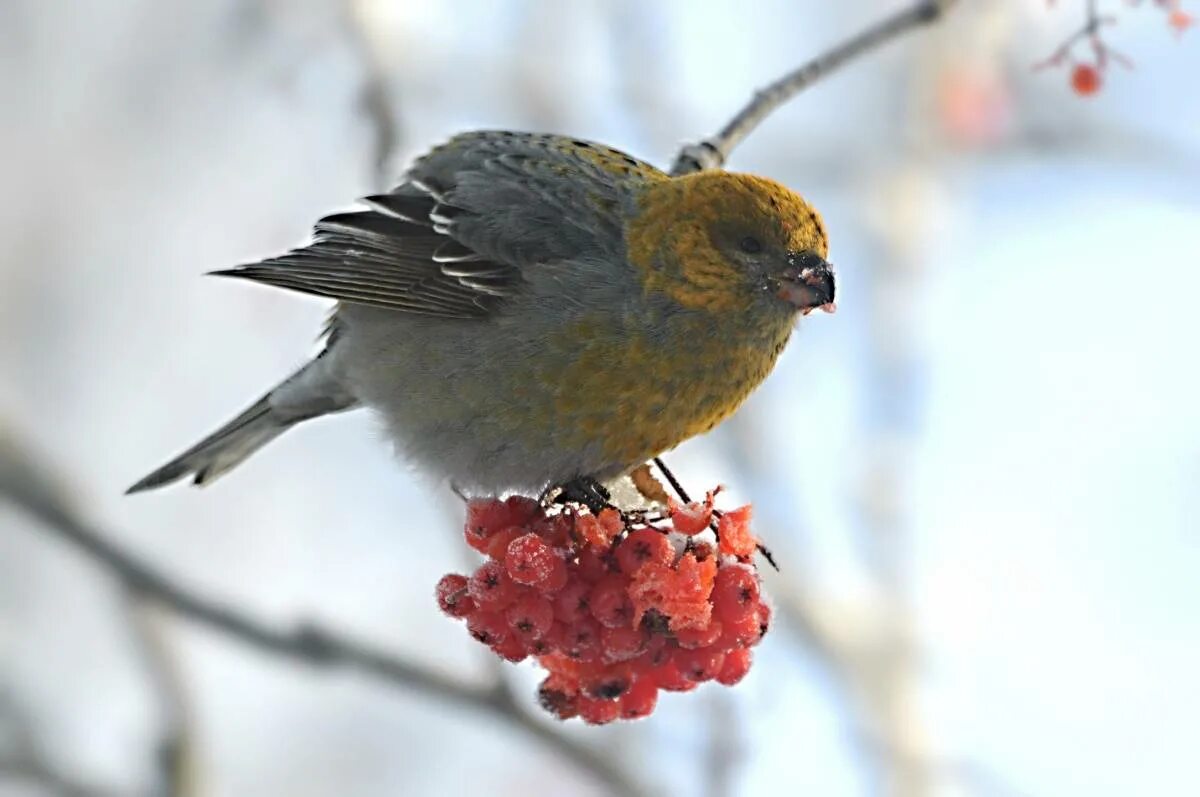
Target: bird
525,310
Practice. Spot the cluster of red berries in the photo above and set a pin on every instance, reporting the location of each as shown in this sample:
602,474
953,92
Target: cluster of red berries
615,606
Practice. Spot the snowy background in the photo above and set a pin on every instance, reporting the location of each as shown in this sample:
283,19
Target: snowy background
982,476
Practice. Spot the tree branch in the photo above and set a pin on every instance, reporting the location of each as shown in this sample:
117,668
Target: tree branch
28,487
713,152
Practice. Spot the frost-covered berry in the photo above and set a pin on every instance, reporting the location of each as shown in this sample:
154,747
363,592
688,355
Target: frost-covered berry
691,518
609,602
491,588
622,644
487,627
642,547
735,592
598,712
734,535
452,595
701,664
571,602
530,617
736,665
529,559
640,699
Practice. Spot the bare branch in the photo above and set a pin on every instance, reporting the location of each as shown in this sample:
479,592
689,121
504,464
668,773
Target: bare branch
28,487
713,152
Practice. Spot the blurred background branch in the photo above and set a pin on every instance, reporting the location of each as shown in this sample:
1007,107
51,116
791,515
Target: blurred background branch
23,761
713,152
28,485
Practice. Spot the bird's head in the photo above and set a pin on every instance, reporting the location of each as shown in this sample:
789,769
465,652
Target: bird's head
726,242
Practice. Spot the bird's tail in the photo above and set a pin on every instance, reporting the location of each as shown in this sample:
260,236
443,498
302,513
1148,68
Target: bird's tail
309,392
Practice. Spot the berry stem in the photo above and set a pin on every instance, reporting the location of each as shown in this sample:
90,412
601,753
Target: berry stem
675,485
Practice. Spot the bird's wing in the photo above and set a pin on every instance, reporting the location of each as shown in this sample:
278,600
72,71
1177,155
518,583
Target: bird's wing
473,214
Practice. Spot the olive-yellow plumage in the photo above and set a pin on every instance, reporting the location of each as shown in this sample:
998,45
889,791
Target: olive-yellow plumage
527,310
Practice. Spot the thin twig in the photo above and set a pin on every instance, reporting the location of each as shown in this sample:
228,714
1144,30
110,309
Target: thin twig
675,485
25,484
1090,31
713,152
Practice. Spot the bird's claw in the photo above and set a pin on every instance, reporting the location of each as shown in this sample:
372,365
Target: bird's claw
584,490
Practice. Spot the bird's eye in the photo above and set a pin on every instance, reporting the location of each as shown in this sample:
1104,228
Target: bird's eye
750,245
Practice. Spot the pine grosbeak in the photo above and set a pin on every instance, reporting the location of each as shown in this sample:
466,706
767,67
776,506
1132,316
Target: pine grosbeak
526,310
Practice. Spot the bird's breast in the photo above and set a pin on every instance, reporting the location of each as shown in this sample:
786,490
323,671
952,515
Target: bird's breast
634,387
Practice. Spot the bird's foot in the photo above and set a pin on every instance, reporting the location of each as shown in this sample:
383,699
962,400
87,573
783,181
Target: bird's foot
580,490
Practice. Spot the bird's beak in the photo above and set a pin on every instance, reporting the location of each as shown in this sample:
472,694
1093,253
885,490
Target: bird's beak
808,283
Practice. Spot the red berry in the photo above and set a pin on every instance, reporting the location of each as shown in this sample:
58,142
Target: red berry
557,699
556,530
699,637
497,545
764,618
541,646
640,699
555,577
608,684
622,644
599,531
610,603
643,546
580,642
659,651
487,627
491,588
511,648
452,595
699,665
529,559
668,676
733,533
611,521
736,665
680,593
742,632
522,509
594,563
691,518
598,712
488,516
571,603
735,592
530,616
1085,79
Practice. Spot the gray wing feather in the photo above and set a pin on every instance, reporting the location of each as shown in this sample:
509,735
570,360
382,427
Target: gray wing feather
384,260
460,235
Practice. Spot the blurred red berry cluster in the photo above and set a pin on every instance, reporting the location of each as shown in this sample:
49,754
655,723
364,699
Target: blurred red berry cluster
1087,73
615,606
